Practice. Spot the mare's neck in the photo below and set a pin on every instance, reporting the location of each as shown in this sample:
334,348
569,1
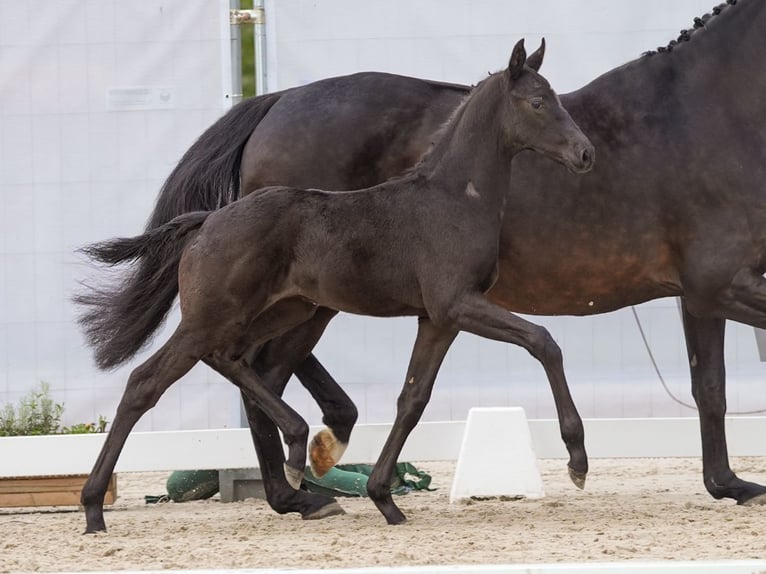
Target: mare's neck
720,62
472,160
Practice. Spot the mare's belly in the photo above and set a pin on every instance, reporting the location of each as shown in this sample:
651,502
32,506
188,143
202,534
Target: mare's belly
581,286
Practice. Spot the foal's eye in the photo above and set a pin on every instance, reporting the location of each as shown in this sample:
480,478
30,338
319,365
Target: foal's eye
536,103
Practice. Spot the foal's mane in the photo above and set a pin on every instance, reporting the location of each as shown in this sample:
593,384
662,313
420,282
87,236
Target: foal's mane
441,133
685,35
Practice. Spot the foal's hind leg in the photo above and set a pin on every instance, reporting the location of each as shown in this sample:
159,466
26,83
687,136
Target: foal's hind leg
294,429
274,363
264,401
431,344
280,357
145,385
705,347
475,314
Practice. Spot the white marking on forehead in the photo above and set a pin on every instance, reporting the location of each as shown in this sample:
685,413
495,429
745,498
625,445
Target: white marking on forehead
470,190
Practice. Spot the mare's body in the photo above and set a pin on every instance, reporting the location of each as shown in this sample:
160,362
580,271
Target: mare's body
675,205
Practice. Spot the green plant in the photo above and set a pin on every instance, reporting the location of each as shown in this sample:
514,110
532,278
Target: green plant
87,428
38,414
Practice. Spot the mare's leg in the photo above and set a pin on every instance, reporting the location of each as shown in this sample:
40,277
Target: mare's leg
339,413
145,385
743,299
431,344
705,348
476,314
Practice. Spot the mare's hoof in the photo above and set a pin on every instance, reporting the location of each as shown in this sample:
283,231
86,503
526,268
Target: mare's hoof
294,476
400,518
577,477
332,509
759,500
324,452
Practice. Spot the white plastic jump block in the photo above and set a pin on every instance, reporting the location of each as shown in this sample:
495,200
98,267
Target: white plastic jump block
496,456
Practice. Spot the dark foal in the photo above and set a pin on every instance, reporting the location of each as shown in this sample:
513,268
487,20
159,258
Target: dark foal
673,208
425,245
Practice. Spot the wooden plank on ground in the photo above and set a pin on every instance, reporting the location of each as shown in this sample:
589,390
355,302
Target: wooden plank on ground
48,490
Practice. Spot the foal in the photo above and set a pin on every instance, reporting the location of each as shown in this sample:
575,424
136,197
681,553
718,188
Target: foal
425,244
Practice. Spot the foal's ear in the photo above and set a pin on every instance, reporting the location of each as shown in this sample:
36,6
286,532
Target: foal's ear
535,60
518,57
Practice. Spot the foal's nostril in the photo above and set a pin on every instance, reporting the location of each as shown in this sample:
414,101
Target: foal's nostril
585,157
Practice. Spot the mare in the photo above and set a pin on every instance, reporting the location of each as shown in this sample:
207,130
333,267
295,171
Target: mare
426,245
675,206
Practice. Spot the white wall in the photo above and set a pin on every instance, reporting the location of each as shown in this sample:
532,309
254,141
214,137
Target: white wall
606,362
458,41
74,169
83,160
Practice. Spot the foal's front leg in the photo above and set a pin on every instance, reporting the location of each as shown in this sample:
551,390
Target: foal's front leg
431,344
476,314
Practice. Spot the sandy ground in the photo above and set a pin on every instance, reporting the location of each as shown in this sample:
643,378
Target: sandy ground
640,509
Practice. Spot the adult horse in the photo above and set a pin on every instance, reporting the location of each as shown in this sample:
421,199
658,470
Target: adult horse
426,244
674,207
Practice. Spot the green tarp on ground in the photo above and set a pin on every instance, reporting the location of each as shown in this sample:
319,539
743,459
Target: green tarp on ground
351,480
341,480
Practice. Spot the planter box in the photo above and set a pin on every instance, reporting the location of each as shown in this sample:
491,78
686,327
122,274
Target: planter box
48,490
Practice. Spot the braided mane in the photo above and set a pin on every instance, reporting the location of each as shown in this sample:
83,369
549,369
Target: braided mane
685,35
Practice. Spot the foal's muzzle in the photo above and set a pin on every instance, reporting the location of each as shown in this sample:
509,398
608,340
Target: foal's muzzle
584,158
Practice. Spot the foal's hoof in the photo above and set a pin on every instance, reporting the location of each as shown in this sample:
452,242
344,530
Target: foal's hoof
332,509
577,477
324,452
294,476
759,500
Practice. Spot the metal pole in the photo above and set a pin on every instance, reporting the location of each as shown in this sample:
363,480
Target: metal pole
236,58
259,44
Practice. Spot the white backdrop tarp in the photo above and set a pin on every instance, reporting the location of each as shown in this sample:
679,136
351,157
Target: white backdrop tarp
456,41
98,101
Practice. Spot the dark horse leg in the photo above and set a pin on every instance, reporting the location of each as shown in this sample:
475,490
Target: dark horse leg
705,348
275,362
476,315
431,344
146,385
259,398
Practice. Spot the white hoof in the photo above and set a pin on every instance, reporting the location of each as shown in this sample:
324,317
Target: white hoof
294,476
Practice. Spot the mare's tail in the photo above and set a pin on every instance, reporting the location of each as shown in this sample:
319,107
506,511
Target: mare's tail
120,318
207,176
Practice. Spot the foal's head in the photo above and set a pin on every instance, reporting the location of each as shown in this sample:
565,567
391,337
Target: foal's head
535,118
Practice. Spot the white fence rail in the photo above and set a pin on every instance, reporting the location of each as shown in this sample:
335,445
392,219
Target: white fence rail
232,448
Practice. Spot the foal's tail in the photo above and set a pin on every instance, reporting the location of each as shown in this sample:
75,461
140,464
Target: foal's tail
207,176
120,318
